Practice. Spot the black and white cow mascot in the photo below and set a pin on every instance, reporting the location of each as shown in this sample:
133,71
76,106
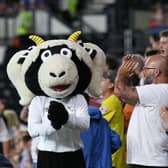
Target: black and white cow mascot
51,77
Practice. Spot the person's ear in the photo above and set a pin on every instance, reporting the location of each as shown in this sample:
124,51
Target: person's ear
157,72
111,85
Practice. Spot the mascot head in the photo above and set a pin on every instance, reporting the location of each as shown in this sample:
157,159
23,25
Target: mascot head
55,68
58,68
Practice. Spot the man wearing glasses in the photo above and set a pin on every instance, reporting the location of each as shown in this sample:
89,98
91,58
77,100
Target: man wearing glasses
147,141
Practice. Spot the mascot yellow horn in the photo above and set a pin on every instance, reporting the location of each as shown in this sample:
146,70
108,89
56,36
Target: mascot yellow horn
37,39
74,36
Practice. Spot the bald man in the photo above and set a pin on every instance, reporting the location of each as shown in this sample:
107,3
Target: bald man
147,142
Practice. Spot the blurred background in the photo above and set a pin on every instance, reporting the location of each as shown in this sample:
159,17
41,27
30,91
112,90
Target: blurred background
117,26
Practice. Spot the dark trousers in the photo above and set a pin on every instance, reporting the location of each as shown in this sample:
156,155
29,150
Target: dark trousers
60,160
4,162
141,166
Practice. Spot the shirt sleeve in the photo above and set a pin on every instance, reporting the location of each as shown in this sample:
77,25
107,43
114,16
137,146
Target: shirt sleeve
38,124
151,94
78,113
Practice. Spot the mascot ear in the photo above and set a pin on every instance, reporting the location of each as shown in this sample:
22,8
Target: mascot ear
14,67
98,63
14,72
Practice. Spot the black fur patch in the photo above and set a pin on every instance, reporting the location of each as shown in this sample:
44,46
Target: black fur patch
55,49
31,78
93,54
84,73
21,60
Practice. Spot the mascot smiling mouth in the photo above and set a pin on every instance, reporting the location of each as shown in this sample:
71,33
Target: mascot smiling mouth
60,87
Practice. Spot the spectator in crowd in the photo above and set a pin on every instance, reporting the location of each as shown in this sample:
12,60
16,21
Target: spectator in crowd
164,43
158,16
12,121
154,41
164,116
3,7
17,149
157,20
111,62
5,138
24,22
31,4
146,137
154,45
21,154
133,80
26,160
111,108
72,7
24,117
34,140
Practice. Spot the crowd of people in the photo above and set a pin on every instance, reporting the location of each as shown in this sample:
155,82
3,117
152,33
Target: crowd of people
12,7
129,122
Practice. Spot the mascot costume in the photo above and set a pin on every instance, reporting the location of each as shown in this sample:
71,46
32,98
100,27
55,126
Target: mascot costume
51,77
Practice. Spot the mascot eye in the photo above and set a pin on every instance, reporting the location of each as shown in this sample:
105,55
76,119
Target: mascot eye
45,55
66,52
31,47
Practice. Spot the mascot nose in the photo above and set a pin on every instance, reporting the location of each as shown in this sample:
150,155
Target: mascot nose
57,75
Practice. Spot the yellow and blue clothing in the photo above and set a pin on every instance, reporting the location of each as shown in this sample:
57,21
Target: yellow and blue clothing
99,141
111,109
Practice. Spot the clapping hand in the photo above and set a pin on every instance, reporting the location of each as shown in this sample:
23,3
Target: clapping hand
57,114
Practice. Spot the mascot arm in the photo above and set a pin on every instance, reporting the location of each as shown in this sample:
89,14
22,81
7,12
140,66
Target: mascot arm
78,113
38,124
74,114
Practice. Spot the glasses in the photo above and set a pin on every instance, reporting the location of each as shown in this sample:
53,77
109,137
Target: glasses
146,68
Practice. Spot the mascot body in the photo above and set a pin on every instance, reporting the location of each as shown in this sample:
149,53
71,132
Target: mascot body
55,74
